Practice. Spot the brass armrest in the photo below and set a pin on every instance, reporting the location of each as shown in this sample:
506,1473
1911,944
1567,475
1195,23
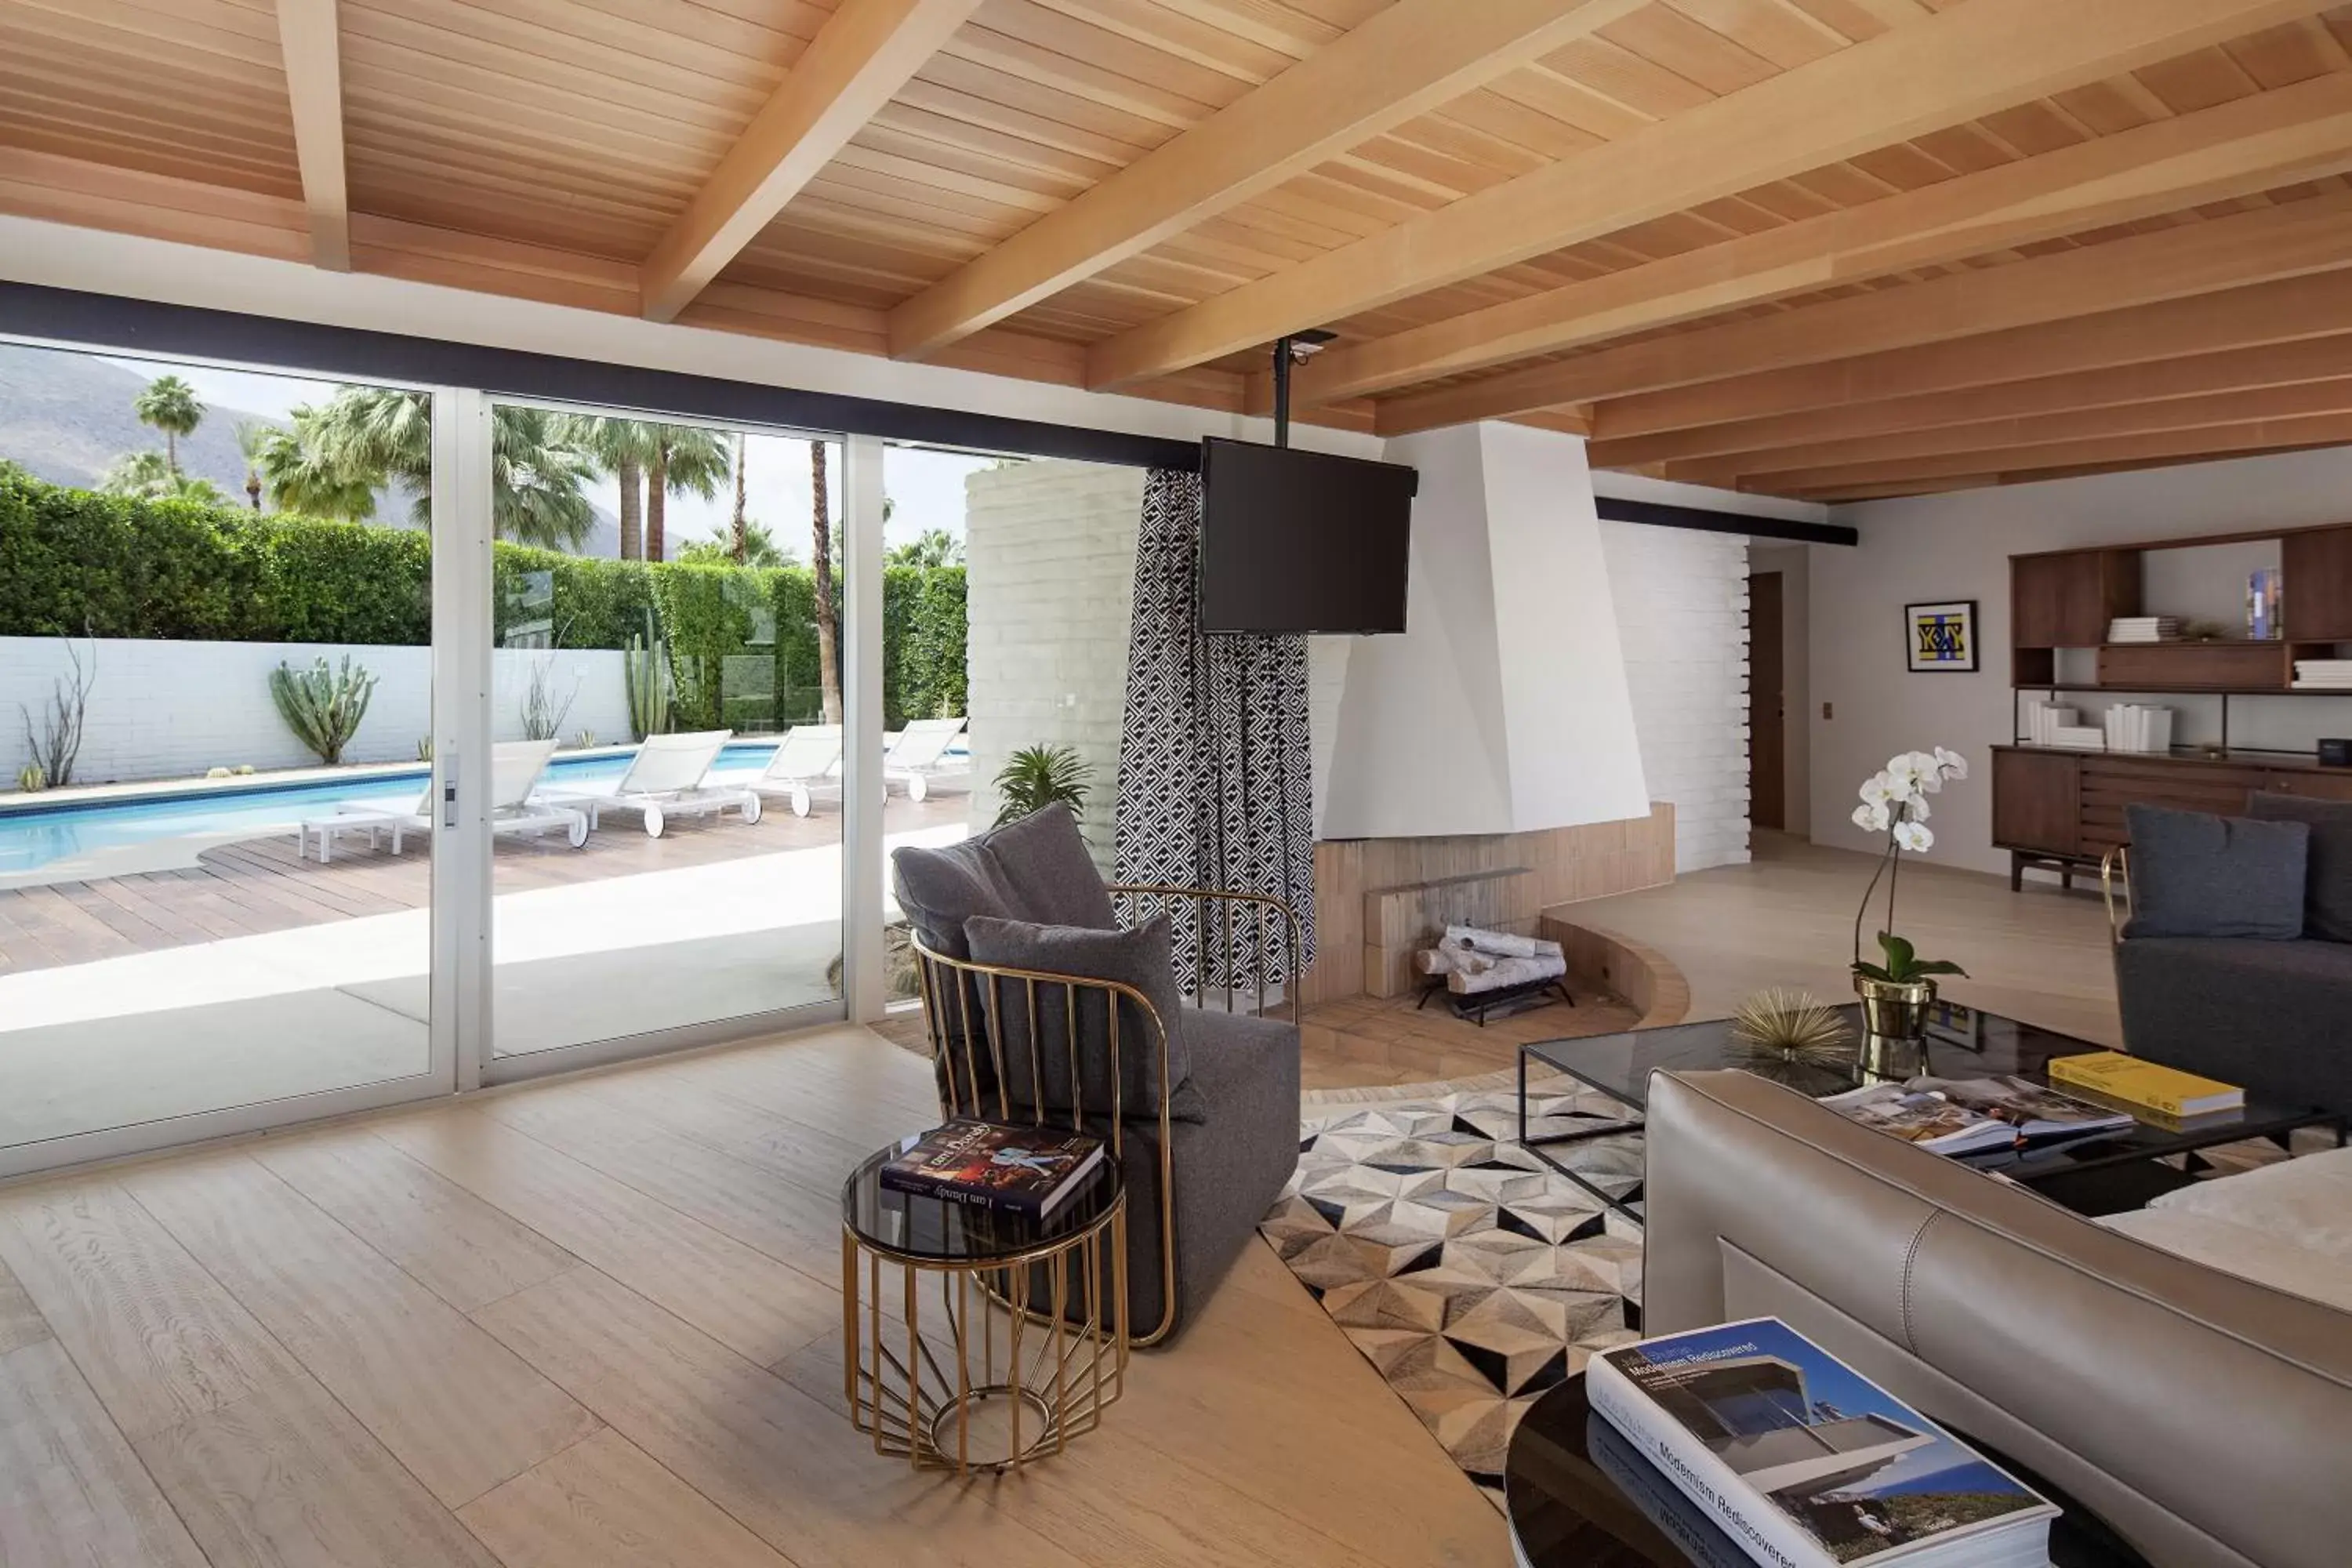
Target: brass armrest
1264,907
2115,863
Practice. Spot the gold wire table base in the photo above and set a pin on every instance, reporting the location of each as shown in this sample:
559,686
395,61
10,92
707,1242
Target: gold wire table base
1004,1373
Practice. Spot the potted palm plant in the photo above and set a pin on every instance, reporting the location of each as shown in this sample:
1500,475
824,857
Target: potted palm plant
1899,988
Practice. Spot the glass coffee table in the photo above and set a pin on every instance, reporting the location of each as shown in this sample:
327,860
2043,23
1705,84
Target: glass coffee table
2108,1174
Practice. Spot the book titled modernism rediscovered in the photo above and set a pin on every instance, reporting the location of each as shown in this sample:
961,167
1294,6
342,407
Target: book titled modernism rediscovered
1807,1464
1021,1170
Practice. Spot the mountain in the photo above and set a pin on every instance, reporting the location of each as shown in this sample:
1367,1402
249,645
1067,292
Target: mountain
66,417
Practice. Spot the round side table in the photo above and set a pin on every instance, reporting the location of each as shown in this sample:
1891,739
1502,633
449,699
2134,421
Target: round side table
1013,1358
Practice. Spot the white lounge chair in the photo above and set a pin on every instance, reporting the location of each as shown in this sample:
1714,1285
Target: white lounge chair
515,806
668,777
921,754
808,758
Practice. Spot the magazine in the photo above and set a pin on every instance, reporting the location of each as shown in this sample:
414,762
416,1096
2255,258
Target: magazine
1977,1115
1021,1170
1806,1463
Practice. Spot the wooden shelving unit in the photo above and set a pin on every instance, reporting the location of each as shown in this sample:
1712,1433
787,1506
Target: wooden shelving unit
2064,808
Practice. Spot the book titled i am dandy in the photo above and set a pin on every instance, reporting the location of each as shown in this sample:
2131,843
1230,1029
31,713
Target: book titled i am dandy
1806,1463
1018,1170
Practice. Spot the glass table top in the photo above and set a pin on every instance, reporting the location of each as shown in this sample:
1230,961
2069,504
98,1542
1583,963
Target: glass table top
942,1231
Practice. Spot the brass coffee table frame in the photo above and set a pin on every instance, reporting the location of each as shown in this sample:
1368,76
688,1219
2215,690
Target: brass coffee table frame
918,1409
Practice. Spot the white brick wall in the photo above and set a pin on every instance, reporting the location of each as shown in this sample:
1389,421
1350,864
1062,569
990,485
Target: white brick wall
1049,548
1682,619
171,709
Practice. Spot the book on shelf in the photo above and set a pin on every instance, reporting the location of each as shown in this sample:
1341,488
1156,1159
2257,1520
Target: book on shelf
1805,1463
2143,628
2265,605
2133,1081
1977,1115
2139,727
1027,1170
2323,674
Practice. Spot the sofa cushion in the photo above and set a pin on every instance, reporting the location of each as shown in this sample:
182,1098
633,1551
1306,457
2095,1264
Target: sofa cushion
1142,958
1036,869
2327,878
2287,1226
2267,1016
2202,876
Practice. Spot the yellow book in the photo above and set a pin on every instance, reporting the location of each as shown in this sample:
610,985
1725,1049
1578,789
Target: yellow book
2143,1083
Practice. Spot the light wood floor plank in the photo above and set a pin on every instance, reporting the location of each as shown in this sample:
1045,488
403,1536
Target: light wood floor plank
460,1410
740,1296
809,1157
21,1322
464,1250
602,1503
285,1478
72,1491
779,1461
158,1338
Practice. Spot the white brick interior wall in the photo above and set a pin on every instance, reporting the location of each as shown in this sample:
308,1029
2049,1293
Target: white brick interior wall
1682,619
171,709
1049,548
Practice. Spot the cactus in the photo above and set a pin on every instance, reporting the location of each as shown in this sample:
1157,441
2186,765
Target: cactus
322,705
585,740
423,748
646,671
32,777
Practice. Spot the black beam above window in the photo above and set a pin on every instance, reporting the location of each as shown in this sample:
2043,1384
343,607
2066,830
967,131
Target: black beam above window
106,322
1664,514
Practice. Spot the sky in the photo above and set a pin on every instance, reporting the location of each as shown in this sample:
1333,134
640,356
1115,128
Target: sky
927,487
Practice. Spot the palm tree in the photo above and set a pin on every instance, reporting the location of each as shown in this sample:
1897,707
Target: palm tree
934,547
740,533
821,540
688,459
301,477
754,546
170,404
537,475
148,476
622,448
252,438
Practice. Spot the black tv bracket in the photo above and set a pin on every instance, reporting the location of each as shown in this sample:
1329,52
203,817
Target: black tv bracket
1296,349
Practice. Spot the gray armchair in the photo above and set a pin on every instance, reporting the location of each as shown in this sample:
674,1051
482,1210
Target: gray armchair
1044,1006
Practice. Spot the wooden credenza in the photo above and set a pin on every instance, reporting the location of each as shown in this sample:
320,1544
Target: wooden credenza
2065,808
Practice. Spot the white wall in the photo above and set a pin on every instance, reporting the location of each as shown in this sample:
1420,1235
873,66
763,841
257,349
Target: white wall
1049,552
1681,621
1792,563
171,709
1957,546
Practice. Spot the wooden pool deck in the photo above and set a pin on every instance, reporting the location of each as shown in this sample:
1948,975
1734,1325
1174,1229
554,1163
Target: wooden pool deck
258,885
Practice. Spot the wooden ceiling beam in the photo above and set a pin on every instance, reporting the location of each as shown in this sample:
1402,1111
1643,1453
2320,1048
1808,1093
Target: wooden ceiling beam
1954,66
2234,149
2239,408
310,39
2161,446
2288,311
2237,370
865,51
1397,65
2252,246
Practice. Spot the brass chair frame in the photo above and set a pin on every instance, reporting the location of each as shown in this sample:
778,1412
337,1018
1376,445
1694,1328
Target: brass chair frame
948,985
2114,867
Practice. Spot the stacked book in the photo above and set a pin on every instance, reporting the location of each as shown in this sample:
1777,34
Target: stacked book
2122,1079
2323,675
1798,1460
2143,628
985,1165
2265,605
2052,724
2138,727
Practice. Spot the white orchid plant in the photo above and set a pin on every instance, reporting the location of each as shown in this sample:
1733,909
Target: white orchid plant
1894,802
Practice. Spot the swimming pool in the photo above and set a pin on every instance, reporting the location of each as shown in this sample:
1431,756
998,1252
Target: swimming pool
31,836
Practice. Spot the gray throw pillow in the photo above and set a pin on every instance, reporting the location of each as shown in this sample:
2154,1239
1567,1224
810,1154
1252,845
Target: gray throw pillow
1142,958
2193,874
1036,869
2327,881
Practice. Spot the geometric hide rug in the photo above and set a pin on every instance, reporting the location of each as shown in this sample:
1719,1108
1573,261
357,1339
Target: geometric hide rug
1472,1277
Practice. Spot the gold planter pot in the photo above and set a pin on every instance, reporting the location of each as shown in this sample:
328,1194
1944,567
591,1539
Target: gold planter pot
1893,1021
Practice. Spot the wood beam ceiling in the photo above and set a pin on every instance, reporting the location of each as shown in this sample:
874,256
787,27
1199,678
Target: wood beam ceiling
1953,66
2005,465
310,39
2251,144
2252,246
1393,67
865,51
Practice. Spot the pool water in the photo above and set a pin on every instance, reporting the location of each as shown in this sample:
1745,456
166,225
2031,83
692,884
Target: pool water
30,838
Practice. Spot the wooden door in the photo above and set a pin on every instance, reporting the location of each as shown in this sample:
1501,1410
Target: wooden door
1768,741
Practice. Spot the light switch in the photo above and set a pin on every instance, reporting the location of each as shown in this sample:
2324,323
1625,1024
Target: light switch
1827,712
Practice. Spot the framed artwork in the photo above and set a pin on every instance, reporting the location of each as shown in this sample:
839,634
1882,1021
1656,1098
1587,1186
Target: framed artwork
1941,637
1956,1024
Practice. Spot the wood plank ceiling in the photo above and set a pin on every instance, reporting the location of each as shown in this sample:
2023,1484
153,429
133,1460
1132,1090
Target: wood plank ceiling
1829,248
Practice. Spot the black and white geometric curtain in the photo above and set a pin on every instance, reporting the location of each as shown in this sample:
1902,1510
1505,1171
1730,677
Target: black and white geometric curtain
1215,774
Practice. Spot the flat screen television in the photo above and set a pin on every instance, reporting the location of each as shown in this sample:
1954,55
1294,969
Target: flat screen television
1299,542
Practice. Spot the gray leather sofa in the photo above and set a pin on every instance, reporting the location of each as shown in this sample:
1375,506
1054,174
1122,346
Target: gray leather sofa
2207,1419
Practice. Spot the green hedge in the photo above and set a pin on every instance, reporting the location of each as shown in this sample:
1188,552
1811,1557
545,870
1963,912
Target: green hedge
742,641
